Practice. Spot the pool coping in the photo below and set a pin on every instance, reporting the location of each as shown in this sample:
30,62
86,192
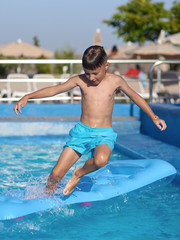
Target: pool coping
129,145
60,118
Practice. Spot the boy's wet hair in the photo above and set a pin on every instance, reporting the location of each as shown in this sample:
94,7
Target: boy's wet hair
94,57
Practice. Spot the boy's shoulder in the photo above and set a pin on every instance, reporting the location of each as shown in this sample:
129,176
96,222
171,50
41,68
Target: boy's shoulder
115,77
78,76
116,80
78,79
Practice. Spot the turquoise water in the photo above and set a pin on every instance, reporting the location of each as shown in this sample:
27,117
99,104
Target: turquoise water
26,163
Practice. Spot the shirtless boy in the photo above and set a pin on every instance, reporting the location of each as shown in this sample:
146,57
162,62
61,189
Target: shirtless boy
94,133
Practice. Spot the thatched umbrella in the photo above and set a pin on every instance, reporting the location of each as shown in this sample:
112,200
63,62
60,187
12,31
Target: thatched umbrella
154,50
21,49
174,38
127,49
97,37
123,51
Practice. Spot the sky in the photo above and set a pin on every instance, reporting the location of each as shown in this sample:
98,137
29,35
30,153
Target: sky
60,23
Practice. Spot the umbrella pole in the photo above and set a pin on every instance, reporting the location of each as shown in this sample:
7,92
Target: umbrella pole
18,70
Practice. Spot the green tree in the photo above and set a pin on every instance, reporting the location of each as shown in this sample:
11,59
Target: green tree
7,68
138,21
64,53
36,41
2,69
43,68
174,20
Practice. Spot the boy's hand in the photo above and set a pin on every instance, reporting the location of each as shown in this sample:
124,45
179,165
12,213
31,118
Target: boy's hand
21,103
160,124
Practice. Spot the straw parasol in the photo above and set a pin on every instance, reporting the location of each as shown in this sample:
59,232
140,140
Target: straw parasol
174,38
124,50
21,49
118,55
127,49
155,50
97,37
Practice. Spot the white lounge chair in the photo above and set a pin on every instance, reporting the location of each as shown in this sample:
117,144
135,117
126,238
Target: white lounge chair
49,81
137,86
40,84
5,91
19,89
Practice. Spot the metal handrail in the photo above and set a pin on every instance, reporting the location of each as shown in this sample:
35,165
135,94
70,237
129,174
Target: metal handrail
157,63
71,62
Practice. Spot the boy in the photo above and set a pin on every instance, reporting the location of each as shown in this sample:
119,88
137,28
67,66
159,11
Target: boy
94,133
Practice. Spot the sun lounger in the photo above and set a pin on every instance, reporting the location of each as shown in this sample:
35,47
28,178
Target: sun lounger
19,88
137,86
46,80
5,91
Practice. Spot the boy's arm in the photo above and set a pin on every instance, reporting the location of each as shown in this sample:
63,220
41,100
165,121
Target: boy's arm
45,92
136,98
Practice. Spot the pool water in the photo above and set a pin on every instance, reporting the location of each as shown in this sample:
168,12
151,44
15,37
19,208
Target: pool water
25,165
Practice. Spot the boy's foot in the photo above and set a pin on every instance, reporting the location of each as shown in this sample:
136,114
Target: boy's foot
72,183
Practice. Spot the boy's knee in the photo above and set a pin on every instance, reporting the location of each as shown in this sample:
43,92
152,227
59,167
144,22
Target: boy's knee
101,160
56,174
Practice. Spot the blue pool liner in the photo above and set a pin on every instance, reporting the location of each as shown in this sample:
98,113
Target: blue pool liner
63,109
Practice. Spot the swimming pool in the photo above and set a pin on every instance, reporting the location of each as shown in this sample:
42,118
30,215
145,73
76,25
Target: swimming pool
25,164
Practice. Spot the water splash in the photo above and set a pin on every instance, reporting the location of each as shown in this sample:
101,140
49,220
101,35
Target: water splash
35,188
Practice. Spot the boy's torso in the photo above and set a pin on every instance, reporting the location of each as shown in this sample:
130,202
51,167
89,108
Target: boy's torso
98,101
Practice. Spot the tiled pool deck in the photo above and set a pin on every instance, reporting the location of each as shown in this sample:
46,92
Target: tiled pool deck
147,147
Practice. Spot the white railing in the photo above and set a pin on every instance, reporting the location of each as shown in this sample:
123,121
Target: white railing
158,63
71,97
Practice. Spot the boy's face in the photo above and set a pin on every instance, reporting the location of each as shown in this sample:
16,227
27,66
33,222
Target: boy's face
97,75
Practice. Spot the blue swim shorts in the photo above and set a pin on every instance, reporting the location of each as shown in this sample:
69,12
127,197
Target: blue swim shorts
84,138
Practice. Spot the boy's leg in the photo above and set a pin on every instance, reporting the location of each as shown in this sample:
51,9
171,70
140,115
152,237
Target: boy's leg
101,157
67,158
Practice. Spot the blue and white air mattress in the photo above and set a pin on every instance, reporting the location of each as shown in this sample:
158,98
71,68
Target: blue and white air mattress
115,179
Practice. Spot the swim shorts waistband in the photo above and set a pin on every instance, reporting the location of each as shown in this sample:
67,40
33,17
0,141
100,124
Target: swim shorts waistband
94,128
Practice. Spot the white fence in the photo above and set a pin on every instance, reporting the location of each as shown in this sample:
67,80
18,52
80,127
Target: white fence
72,96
